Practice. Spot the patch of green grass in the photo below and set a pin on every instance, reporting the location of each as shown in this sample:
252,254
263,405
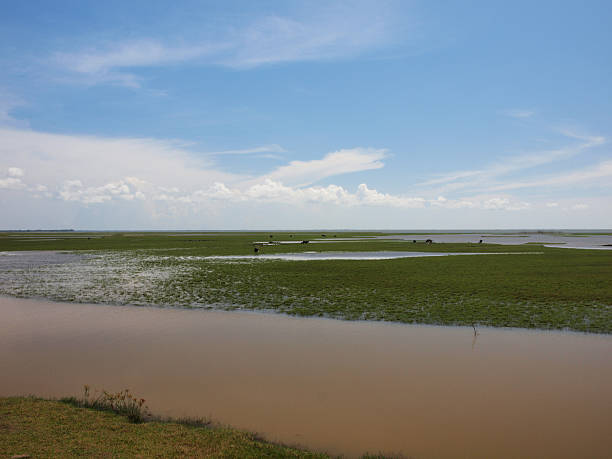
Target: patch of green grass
49,429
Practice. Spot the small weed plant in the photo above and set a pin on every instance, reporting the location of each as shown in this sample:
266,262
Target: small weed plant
122,402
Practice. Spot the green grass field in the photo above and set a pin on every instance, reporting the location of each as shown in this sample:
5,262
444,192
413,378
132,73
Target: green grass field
47,428
553,288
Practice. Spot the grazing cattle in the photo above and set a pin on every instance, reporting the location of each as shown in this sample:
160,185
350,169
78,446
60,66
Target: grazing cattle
428,241
304,242
270,236
480,242
256,249
414,241
323,235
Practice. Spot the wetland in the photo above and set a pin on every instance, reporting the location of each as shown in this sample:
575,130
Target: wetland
440,351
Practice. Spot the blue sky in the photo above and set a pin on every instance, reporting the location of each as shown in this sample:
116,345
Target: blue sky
251,115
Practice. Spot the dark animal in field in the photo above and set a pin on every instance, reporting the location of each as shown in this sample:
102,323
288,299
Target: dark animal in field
480,242
428,241
414,241
323,235
304,242
256,249
271,236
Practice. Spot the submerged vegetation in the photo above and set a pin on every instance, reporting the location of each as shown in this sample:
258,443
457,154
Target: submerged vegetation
554,288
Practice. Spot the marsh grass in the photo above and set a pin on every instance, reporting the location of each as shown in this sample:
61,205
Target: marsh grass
123,403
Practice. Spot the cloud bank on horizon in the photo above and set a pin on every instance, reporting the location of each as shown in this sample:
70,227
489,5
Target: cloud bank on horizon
352,115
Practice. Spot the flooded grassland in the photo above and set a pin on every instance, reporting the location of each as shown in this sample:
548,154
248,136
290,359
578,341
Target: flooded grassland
330,385
371,279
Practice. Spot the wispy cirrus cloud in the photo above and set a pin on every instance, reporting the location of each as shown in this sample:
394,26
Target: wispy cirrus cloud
590,175
519,113
273,148
338,31
499,175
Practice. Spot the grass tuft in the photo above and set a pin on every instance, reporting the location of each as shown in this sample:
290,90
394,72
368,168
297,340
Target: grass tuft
122,403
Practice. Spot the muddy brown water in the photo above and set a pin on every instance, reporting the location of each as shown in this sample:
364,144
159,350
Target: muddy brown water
329,385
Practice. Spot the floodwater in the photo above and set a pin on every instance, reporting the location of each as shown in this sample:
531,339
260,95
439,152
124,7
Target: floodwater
600,241
36,258
335,386
381,255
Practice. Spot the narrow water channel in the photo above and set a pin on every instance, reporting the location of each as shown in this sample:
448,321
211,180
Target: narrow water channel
336,386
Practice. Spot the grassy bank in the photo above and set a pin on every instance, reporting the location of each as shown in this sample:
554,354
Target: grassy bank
47,428
553,288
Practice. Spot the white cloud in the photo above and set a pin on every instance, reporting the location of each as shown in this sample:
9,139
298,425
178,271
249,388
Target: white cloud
589,175
273,148
494,177
94,170
168,182
504,204
11,183
126,189
519,113
270,191
51,159
374,198
338,31
15,172
302,173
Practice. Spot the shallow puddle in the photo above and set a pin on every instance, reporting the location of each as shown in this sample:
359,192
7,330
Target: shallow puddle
341,387
381,255
584,241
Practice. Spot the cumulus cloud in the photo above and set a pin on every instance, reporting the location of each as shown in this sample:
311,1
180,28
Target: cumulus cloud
12,180
11,183
15,172
126,189
165,179
270,191
94,170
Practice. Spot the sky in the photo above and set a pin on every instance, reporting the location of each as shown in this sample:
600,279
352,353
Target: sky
305,114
